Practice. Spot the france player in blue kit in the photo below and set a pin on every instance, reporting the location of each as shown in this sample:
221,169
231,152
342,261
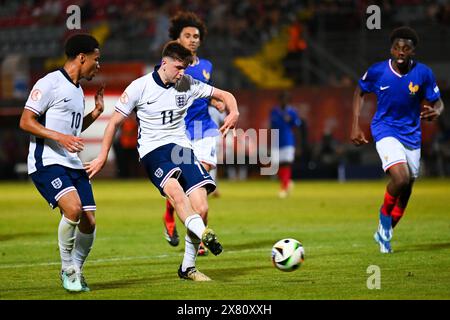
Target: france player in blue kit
285,119
402,85
189,30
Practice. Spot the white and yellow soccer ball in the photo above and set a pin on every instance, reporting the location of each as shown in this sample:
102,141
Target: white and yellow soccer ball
288,254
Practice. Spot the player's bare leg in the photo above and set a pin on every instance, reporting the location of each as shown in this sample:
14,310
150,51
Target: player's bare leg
175,194
196,229
170,232
192,220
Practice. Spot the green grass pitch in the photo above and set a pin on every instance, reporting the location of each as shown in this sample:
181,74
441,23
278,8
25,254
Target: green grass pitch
335,222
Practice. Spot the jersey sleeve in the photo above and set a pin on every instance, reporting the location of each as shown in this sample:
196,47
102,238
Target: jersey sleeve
431,88
128,99
367,83
41,97
200,89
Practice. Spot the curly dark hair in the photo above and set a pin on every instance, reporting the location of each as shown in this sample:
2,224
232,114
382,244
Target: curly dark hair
405,33
186,19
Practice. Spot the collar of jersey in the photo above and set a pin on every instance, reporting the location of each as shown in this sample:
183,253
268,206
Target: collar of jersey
65,74
413,64
158,80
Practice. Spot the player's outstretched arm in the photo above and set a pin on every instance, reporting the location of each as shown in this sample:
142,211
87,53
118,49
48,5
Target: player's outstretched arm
93,167
98,110
357,135
432,110
231,119
218,104
30,124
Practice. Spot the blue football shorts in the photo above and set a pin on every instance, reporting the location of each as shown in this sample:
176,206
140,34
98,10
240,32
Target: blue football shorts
174,161
54,181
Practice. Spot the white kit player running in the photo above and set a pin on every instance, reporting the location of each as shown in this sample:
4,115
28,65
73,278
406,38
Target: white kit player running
161,100
54,116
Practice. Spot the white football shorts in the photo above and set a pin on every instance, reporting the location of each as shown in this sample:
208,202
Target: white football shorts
205,150
284,154
392,152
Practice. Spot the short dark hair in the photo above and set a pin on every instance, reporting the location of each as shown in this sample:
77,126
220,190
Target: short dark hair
80,43
405,33
176,51
186,19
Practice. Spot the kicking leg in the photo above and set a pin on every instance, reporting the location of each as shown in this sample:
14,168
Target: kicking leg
199,202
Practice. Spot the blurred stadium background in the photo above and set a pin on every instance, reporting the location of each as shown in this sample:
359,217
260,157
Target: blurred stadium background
315,49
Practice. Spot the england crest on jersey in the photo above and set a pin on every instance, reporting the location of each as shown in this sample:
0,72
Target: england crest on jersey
180,100
57,183
159,173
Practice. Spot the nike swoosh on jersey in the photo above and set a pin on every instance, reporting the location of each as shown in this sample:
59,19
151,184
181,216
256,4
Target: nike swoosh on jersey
67,100
384,88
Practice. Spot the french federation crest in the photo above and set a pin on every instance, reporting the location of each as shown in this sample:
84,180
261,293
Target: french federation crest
180,100
159,173
413,88
57,183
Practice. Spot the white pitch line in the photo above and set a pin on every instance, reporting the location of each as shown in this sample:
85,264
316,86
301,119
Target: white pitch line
163,256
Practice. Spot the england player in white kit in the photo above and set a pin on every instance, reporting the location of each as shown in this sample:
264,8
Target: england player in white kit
160,100
54,117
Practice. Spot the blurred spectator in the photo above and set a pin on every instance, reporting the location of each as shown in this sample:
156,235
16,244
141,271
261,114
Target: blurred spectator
10,154
296,47
328,156
437,160
125,149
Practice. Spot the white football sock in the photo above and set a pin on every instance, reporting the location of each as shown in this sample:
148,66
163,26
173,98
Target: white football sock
66,239
83,245
194,223
190,251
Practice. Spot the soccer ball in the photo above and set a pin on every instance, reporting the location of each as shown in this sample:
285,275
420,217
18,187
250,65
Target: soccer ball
288,254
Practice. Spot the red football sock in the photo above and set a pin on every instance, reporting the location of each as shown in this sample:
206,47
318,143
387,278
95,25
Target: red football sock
284,175
288,175
397,214
388,204
168,216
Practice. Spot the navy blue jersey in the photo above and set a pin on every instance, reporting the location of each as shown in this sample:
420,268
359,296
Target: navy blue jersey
399,100
285,120
198,111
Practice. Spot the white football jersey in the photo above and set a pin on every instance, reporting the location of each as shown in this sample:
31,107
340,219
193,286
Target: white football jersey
59,103
160,109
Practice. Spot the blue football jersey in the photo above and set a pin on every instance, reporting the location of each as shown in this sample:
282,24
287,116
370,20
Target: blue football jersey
198,121
399,100
285,121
